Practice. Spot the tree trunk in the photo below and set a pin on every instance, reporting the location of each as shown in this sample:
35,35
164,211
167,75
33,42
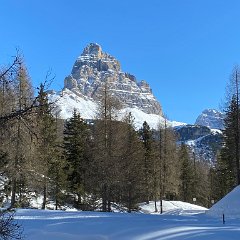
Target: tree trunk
44,194
104,197
14,188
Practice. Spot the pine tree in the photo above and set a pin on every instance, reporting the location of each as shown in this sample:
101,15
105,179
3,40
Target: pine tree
226,174
186,175
229,157
57,167
75,139
46,143
147,140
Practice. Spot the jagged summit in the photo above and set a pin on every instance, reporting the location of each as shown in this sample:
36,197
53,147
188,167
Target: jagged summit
94,67
92,49
211,118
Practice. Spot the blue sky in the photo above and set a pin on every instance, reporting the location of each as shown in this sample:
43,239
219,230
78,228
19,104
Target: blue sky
185,49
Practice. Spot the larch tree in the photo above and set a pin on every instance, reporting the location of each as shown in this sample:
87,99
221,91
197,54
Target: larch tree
131,164
106,141
167,163
20,136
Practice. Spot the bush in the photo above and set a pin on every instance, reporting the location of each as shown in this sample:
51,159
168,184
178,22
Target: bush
9,228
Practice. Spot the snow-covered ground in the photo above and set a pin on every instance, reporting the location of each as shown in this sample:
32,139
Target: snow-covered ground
173,208
63,225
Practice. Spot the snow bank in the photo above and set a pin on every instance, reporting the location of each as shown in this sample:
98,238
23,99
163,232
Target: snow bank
229,205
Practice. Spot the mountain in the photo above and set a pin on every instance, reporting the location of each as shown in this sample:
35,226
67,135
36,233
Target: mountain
211,118
95,68
202,140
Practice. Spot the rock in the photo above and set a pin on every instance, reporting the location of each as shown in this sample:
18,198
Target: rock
70,82
94,68
211,118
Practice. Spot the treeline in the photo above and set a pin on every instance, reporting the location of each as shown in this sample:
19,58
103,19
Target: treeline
225,174
91,165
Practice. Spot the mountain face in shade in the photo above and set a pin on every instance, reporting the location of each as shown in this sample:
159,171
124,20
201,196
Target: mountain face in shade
94,68
211,118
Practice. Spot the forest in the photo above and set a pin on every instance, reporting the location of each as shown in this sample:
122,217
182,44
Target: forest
95,165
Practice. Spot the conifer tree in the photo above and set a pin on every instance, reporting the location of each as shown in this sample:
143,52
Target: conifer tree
147,140
132,164
58,167
229,156
186,175
167,164
231,149
20,136
106,145
75,139
46,143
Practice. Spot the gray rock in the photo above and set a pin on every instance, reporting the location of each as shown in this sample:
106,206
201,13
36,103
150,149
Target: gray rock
211,118
94,67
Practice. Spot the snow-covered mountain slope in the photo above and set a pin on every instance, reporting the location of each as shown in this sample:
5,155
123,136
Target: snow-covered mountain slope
211,118
67,100
203,141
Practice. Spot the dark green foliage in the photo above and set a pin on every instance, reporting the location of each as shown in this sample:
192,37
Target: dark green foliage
76,136
147,140
10,229
227,167
186,175
50,164
226,174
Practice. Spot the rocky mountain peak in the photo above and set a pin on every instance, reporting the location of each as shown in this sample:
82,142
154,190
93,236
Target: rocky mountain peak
92,49
211,118
93,68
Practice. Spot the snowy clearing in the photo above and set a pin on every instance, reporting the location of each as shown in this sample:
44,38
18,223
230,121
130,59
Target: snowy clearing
187,223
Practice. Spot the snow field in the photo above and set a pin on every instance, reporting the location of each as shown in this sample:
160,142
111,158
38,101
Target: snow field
59,225
180,221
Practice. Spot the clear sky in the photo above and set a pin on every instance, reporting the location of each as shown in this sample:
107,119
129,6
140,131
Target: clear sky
185,49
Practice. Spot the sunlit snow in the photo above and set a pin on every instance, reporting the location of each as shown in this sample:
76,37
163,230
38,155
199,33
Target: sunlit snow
66,101
189,222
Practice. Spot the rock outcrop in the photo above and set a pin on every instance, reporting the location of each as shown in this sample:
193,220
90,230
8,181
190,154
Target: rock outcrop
94,68
211,118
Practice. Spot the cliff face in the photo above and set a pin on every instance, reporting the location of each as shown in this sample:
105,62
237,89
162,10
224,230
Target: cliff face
94,68
211,118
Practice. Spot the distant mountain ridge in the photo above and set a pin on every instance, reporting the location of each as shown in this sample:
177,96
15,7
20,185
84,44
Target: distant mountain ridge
211,118
203,141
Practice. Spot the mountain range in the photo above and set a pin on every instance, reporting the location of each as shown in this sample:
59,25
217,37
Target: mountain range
94,69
